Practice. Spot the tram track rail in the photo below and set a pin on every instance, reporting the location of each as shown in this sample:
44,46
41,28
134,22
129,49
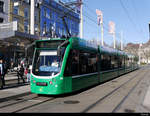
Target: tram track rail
21,103
123,100
16,100
36,104
116,90
14,97
39,100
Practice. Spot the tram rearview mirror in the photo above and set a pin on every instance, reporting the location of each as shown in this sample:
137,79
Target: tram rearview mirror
60,52
61,49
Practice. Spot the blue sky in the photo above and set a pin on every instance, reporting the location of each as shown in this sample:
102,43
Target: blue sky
130,16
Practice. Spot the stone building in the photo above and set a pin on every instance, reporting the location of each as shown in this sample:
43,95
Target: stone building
141,50
144,52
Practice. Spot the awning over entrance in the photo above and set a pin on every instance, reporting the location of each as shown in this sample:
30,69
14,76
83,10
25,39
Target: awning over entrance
10,35
17,37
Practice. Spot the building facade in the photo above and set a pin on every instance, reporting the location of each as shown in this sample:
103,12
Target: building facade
4,11
15,24
51,19
144,53
20,12
15,28
141,50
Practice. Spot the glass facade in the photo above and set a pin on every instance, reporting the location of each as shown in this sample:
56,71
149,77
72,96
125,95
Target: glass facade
51,20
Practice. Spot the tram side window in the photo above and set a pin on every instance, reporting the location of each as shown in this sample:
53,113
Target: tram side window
83,63
72,66
128,62
121,62
79,63
105,62
75,62
88,63
114,62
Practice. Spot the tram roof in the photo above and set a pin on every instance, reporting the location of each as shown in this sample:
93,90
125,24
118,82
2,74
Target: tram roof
82,43
108,50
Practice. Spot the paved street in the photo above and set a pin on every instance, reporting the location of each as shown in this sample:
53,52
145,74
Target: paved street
129,93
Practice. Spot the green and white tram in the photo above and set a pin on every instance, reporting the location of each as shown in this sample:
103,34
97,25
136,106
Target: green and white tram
66,65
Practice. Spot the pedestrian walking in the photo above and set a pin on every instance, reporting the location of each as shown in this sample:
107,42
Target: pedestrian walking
2,72
27,72
11,66
20,73
5,67
1,84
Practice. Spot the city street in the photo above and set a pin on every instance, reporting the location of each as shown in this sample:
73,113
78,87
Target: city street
128,94
77,47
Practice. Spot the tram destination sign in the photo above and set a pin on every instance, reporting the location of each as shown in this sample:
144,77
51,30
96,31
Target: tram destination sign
49,43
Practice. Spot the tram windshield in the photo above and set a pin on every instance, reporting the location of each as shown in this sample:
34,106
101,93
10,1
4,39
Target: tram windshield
46,63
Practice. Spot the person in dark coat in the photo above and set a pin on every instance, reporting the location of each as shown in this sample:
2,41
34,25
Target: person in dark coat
2,72
1,84
20,73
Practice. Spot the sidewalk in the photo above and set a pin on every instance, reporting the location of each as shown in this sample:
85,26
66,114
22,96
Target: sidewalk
15,89
11,81
11,76
143,106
